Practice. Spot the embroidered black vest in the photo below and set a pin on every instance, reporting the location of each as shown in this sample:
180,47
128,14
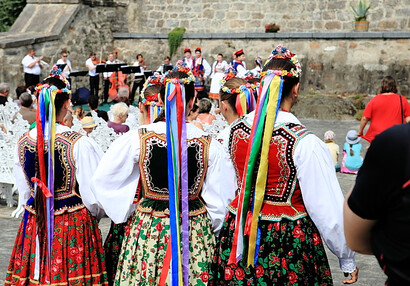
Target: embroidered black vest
66,194
154,173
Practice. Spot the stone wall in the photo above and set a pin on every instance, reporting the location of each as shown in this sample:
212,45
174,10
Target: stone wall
329,66
211,16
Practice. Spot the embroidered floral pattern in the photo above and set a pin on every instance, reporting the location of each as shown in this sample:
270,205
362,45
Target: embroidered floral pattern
77,256
144,247
290,253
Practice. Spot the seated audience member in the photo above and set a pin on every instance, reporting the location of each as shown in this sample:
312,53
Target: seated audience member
120,112
25,108
352,160
68,119
19,90
123,95
334,149
79,112
377,212
193,115
4,92
93,105
205,106
88,124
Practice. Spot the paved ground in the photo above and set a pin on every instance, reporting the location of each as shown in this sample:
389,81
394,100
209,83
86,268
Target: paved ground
370,273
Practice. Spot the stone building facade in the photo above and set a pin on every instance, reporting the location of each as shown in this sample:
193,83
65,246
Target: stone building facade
335,59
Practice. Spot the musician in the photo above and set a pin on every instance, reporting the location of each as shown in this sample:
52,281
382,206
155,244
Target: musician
91,64
65,61
32,68
139,77
111,60
162,68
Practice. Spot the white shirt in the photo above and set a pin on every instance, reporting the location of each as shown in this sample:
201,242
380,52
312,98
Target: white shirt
67,68
89,63
189,62
108,74
27,60
141,73
117,177
320,189
207,67
87,155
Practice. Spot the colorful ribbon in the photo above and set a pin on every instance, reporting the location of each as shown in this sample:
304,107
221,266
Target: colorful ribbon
248,210
177,178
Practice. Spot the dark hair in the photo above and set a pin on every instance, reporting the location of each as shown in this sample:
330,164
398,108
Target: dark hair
25,99
19,90
195,107
221,55
351,150
92,54
288,82
54,81
167,58
189,91
63,51
93,102
233,83
388,85
139,55
153,89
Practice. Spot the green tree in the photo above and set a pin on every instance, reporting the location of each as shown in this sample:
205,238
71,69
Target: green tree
9,11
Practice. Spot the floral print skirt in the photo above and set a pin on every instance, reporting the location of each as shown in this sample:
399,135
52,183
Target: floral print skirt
290,253
77,256
144,246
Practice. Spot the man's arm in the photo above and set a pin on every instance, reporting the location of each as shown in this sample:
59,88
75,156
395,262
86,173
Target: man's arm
357,230
363,123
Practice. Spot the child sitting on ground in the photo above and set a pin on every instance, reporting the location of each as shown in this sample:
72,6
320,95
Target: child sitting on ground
334,149
352,161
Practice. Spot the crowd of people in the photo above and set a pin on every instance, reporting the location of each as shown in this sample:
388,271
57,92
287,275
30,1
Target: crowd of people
252,204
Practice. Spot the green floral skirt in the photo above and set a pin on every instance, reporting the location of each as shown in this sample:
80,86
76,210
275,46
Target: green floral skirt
290,253
143,250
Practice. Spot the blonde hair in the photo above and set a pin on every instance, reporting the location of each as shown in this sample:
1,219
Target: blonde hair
119,110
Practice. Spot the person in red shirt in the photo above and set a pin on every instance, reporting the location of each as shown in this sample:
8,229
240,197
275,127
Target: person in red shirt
384,110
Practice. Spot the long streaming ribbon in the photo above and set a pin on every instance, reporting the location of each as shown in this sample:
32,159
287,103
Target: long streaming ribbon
177,178
247,215
245,100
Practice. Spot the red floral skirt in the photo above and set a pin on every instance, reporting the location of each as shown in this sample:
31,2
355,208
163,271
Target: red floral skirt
77,256
290,253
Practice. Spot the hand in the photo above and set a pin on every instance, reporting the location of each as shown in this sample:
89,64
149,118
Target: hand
360,134
353,277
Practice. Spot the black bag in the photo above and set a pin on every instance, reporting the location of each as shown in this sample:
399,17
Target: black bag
80,96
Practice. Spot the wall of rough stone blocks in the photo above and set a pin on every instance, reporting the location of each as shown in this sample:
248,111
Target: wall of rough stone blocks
329,66
210,16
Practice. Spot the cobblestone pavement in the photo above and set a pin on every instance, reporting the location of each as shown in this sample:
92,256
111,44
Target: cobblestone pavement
370,273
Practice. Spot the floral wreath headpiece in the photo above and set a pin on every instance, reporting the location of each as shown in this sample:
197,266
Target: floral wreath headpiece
58,73
53,88
230,73
181,67
152,98
281,52
245,100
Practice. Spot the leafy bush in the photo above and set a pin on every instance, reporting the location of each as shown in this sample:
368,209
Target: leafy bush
174,39
9,11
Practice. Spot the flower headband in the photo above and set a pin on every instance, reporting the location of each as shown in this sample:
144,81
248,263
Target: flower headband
180,67
40,86
281,52
245,101
230,73
58,73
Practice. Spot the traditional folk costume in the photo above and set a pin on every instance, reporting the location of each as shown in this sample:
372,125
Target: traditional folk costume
274,236
218,72
188,61
200,69
113,242
151,251
68,249
239,66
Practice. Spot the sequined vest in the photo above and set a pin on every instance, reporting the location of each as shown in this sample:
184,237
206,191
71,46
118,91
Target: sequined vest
66,193
283,198
154,173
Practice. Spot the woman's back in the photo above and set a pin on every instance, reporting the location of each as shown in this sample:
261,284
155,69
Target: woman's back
384,111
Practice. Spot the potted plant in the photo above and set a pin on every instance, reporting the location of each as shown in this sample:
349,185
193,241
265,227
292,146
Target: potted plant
360,14
272,28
